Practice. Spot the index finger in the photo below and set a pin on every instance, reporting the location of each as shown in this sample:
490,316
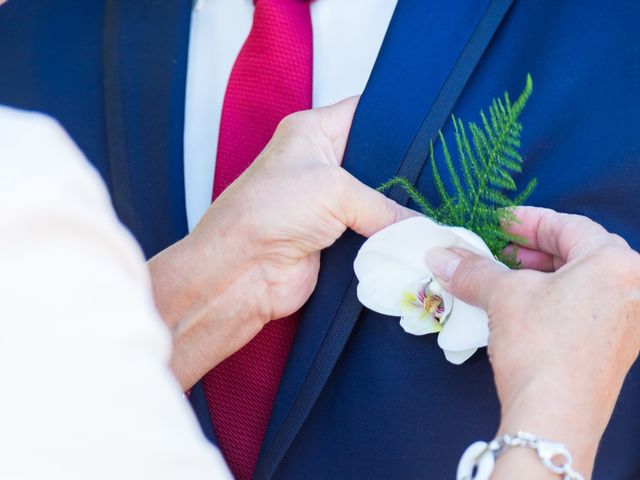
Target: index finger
561,235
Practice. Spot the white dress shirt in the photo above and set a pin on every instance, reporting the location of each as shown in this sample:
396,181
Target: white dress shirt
86,391
347,35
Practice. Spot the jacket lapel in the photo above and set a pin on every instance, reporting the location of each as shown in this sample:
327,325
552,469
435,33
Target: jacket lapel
430,50
145,63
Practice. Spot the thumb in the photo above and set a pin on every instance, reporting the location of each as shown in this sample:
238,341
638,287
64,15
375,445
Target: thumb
365,210
471,278
335,122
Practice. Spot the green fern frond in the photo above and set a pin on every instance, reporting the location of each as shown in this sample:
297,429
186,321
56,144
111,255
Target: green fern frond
413,193
488,158
447,203
467,159
526,193
460,195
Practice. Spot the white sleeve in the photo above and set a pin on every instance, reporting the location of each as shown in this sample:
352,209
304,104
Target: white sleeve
84,384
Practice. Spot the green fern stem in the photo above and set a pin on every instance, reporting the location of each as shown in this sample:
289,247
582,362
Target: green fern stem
487,169
513,121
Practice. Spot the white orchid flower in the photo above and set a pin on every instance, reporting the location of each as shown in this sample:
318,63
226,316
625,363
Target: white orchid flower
395,280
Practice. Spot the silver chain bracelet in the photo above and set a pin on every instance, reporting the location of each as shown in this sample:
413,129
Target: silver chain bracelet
478,460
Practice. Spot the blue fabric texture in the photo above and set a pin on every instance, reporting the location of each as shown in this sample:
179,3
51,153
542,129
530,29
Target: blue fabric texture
389,405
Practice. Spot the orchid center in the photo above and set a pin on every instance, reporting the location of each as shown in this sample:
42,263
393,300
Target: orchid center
429,296
395,282
425,307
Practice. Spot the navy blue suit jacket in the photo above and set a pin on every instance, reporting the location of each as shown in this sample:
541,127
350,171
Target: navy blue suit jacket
359,397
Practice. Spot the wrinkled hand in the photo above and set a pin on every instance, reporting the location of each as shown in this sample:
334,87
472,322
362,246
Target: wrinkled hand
562,338
255,255
294,201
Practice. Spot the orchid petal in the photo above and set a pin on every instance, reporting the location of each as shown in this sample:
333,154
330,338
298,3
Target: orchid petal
416,321
382,282
466,328
395,257
407,242
459,357
470,241
448,300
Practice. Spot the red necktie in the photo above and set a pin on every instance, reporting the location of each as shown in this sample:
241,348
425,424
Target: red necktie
270,79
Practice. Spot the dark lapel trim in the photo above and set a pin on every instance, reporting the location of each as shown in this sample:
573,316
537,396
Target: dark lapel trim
119,173
349,310
145,50
414,161
198,401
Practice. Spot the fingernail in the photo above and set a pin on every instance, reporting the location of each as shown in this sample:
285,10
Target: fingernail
443,263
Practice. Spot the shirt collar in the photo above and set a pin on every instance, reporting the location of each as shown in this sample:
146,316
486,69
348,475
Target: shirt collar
200,4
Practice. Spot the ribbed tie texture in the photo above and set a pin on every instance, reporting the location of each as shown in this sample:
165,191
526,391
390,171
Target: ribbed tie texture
270,79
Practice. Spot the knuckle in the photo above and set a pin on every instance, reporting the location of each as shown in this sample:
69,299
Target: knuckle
622,266
633,270
500,285
461,282
465,278
290,122
396,212
339,180
630,288
333,185
618,240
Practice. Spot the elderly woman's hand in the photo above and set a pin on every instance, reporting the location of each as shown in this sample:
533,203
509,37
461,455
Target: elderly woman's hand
255,255
562,338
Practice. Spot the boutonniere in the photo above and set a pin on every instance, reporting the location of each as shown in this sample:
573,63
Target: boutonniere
391,265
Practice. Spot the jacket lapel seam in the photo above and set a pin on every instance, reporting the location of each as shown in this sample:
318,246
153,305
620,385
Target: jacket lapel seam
117,145
411,166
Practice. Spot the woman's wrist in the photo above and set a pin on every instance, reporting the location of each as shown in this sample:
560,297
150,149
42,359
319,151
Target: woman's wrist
551,407
175,287
209,299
